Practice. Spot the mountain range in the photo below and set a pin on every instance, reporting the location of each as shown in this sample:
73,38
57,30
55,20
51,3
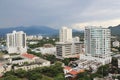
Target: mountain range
45,30
31,30
115,30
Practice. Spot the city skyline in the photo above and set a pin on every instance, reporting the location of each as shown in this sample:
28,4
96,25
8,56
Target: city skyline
74,14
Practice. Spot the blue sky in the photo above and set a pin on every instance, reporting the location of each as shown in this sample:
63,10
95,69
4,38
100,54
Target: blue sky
58,13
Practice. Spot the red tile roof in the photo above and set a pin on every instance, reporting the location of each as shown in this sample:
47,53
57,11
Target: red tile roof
1,75
30,56
1,64
67,68
73,72
80,71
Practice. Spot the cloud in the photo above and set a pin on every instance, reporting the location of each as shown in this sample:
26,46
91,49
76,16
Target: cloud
57,13
81,26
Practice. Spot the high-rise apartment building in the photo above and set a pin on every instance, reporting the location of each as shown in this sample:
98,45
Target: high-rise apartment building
65,34
97,41
67,46
16,42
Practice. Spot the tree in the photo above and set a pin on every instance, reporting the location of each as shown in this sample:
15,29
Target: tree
114,62
66,61
50,58
20,73
118,77
32,75
10,77
104,70
60,77
9,73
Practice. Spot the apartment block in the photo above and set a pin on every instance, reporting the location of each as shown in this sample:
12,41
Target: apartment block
16,42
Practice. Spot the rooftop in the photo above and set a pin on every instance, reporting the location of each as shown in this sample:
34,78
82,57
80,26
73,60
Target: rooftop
30,56
67,68
73,72
0,64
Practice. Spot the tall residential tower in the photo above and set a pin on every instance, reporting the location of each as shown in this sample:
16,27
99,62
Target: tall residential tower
16,42
97,41
65,34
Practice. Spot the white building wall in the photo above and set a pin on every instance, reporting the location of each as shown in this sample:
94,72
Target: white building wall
116,44
104,61
47,63
118,63
76,39
67,50
16,42
67,46
97,44
65,34
97,41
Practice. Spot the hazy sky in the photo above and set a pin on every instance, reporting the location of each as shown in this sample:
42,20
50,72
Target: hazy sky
57,13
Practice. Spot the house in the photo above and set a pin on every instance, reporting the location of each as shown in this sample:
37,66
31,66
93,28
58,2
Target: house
28,61
72,72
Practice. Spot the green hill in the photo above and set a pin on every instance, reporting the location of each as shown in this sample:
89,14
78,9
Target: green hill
115,30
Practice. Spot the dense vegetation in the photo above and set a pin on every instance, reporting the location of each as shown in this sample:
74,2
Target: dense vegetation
115,30
54,72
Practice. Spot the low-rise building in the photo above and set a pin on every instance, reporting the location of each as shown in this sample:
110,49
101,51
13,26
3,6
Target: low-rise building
106,59
116,44
45,50
28,61
1,70
31,65
88,64
118,62
24,61
68,49
34,37
106,78
72,72
4,68
33,42
16,42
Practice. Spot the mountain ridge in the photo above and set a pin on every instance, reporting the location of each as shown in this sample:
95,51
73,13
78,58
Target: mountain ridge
45,30
30,30
115,30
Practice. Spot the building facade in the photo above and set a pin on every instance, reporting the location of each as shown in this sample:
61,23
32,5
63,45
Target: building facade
116,44
68,50
28,62
97,41
118,62
16,42
68,47
34,37
65,34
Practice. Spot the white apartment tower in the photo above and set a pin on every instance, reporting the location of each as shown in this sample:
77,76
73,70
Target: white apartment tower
16,42
97,41
65,34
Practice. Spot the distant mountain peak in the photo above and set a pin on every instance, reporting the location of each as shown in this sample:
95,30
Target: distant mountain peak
115,30
29,30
